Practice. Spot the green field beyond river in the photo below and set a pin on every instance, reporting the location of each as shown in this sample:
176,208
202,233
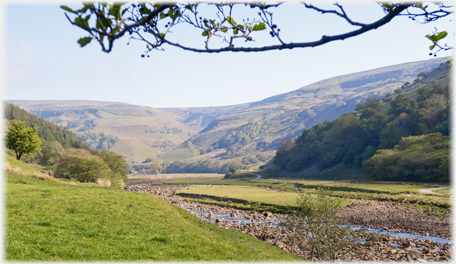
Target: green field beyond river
250,194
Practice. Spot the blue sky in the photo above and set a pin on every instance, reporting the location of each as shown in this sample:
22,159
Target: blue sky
42,60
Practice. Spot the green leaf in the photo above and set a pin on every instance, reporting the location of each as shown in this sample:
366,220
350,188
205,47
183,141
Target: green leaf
236,31
432,47
145,10
189,7
205,33
115,11
260,26
172,14
442,35
66,8
162,15
231,21
433,38
84,41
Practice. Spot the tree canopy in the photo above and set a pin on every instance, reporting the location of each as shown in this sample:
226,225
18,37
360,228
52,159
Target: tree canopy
152,23
155,166
21,139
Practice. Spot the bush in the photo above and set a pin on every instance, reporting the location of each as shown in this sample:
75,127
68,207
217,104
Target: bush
228,175
318,229
82,166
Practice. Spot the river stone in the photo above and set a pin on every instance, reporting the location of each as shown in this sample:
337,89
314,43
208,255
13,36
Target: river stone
267,214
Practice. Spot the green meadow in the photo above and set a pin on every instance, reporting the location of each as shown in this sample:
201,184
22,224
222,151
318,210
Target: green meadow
362,189
58,221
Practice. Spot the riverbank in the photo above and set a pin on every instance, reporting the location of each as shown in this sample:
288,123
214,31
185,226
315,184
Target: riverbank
372,214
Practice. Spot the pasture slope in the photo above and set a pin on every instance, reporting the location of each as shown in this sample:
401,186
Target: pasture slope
57,221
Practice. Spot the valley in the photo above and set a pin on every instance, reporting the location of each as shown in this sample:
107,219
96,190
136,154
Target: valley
211,139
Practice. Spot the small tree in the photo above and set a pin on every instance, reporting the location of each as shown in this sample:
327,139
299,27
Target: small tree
273,170
232,169
50,153
317,227
24,141
83,166
155,166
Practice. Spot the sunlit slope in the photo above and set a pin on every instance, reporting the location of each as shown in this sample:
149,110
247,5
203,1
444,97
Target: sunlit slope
142,131
264,124
57,221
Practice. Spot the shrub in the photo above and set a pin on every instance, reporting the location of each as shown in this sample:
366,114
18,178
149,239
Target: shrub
317,226
228,175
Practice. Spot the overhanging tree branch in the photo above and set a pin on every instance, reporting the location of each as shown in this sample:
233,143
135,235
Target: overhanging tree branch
112,22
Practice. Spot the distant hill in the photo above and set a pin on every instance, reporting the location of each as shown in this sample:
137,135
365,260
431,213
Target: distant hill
142,132
260,127
46,129
200,117
209,139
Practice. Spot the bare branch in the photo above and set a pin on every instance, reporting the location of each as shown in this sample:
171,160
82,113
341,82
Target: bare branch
343,14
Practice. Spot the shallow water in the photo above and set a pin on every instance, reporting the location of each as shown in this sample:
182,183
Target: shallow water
275,221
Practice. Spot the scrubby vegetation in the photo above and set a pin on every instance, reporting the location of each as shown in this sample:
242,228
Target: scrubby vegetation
380,128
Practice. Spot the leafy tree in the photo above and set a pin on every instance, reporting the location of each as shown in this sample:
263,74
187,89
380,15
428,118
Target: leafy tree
24,141
155,166
272,170
415,158
50,153
117,164
152,23
233,170
82,166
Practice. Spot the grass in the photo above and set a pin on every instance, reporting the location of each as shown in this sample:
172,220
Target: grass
407,193
444,191
57,221
247,194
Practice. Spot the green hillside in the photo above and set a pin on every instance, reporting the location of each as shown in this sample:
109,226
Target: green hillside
136,132
57,221
240,136
402,137
46,129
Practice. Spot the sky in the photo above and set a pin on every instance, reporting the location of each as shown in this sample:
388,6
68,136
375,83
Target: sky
42,60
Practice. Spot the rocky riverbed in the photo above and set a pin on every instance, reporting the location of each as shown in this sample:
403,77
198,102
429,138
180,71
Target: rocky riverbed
372,214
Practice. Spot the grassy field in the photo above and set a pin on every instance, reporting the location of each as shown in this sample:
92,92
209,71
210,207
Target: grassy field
360,189
245,193
56,221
